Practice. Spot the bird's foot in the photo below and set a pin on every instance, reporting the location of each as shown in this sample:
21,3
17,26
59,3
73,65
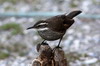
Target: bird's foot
39,45
57,47
44,43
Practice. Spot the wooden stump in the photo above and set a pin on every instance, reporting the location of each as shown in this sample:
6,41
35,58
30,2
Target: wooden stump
49,57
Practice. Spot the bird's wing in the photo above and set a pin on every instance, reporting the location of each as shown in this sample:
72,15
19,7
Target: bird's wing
56,22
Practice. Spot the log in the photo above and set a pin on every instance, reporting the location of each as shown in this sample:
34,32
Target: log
49,57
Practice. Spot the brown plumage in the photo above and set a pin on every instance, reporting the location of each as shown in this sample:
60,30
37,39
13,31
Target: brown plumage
55,27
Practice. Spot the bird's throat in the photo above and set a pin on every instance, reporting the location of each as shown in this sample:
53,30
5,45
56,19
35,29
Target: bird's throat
43,29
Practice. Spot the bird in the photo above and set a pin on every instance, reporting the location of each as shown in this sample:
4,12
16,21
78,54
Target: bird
55,27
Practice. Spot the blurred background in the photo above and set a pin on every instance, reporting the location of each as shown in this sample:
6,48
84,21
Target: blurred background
81,42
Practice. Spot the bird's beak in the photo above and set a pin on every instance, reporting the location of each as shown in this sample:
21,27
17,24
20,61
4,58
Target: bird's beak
30,27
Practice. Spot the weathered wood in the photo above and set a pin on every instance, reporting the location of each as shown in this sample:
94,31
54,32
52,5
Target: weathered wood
49,57
59,57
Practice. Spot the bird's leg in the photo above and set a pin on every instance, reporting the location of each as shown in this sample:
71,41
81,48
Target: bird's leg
58,46
44,43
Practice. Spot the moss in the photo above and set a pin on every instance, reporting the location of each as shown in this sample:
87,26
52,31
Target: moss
3,55
10,8
96,2
11,1
14,27
7,8
18,48
73,56
15,1
73,4
1,46
22,53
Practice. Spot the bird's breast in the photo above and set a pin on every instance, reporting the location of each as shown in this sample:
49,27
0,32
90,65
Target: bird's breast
50,34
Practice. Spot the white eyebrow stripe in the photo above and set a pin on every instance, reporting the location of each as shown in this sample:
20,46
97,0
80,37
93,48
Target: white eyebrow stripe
42,29
43,24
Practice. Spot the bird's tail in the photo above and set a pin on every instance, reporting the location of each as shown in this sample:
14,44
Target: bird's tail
73,14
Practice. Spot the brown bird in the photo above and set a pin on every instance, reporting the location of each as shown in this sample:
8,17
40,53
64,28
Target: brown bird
55,27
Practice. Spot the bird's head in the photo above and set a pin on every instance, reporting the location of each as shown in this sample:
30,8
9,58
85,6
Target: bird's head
40,25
